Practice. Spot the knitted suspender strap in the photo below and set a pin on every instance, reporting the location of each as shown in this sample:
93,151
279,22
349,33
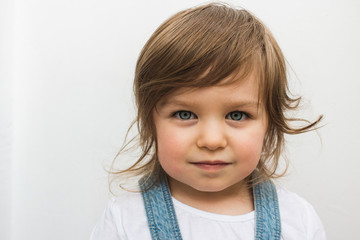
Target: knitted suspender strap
160,209
268,224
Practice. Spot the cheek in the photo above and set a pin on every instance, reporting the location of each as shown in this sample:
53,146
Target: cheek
172,147
249,146
170,142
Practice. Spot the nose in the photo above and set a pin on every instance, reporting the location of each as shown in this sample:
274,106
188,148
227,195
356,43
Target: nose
212,136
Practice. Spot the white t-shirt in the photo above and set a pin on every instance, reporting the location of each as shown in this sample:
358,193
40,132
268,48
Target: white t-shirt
125,219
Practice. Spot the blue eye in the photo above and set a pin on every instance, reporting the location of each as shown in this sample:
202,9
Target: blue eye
236,116
184,115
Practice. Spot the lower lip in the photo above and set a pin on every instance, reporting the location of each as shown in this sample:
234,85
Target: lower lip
211,167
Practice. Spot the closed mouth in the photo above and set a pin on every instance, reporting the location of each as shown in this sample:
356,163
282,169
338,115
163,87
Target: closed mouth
211,165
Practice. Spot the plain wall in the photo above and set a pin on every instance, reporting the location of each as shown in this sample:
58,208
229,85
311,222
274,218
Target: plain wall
70,66
6,126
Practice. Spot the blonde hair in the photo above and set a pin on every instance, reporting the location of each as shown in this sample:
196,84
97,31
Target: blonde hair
200,47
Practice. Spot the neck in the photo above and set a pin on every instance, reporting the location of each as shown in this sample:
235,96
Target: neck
234,200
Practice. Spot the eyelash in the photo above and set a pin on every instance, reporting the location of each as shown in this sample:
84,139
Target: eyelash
243,115
193,116
177,115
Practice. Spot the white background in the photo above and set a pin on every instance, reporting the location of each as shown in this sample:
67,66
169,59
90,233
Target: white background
66,70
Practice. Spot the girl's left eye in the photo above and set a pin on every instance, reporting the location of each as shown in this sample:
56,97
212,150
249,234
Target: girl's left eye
236,116
185,115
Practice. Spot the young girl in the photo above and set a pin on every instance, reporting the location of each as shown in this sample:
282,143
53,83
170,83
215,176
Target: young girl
212,96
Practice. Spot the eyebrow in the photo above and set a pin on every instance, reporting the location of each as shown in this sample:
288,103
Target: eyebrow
177,103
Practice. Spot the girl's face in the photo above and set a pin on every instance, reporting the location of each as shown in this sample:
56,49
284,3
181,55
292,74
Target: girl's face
210,139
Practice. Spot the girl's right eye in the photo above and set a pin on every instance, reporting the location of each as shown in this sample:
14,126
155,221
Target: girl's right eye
185,115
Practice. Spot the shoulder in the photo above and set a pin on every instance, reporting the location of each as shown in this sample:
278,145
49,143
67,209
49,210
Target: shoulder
298,217
125,203
124,217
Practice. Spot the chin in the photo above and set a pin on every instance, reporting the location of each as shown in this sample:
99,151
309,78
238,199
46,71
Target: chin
209,189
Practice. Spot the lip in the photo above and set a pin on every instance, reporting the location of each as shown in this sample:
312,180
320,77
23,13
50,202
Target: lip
211,165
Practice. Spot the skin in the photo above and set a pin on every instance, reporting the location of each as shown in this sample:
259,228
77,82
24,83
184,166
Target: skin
208,141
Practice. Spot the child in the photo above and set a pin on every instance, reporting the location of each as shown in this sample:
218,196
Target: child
211,94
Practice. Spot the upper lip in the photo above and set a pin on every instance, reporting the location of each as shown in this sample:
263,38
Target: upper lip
211,162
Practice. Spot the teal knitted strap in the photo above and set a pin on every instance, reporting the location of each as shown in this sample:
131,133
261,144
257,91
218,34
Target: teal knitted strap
160,209
268,224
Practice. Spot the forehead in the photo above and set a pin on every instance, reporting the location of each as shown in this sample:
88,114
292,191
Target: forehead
241,91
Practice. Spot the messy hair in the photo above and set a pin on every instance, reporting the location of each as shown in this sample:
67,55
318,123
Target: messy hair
200,47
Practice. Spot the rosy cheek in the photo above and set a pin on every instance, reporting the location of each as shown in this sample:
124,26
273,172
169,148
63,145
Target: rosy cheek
172,140
170,159
249,148
168,148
